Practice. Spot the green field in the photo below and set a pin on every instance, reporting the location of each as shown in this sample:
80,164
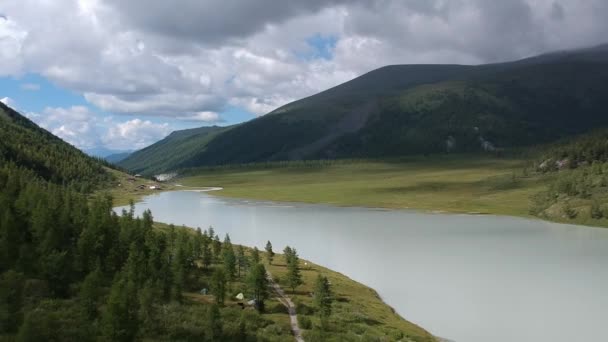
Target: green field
464,184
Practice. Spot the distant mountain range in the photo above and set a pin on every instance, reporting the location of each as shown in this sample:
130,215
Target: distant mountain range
409,109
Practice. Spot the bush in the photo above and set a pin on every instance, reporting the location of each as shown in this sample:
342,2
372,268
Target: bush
305,322
277,308
304,309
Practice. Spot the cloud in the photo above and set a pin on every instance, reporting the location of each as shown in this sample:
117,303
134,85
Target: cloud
207,117
152,58
81,127
30,86
8,101
134,134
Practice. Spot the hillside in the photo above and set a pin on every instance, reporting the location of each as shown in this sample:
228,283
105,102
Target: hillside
411,109
172,151
30,147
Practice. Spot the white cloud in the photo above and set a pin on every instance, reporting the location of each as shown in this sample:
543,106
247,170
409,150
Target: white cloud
81,127
208,117
153,58
30,86
8,101
134,134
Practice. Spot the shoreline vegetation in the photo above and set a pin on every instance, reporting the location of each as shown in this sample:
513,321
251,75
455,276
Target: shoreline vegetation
358,311
459,184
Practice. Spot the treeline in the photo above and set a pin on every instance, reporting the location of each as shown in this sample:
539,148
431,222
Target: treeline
27,145
574,152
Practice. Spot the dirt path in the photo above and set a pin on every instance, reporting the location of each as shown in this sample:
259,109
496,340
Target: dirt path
291,308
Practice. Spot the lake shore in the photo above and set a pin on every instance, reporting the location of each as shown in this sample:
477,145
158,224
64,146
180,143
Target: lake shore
356,308
446,184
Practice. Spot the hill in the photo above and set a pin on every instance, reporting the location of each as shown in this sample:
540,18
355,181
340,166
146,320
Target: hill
411,109
27,146
171,152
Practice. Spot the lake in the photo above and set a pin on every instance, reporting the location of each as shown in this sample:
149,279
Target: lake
463,277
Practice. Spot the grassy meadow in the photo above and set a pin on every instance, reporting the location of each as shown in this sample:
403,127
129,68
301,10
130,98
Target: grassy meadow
450,183
358,312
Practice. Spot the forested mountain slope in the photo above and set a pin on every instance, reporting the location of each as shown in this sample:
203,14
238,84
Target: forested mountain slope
30,147
173,150
414,109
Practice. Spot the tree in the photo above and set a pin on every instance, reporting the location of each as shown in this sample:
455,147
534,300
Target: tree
287,252
228,258
294,277
119,322
11,300
323,298
257,284
255,256
206,253
218,285
217,248
90,292
269,252
214,323
241,259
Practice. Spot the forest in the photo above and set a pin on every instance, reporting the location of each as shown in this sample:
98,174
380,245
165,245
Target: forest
72,269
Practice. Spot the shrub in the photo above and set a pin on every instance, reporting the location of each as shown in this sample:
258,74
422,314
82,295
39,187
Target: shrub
305,322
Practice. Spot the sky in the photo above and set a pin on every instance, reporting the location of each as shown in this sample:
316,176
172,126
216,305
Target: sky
120,75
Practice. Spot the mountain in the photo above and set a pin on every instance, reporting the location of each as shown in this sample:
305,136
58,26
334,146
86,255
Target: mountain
117,157
411,109
25,145
176,149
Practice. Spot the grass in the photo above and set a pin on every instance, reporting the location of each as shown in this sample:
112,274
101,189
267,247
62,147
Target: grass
128,188
358,311
461,184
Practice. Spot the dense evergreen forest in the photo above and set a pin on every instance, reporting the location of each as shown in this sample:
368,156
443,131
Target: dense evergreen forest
72,269
25,144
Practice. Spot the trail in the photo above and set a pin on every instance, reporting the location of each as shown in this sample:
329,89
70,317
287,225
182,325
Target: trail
291,308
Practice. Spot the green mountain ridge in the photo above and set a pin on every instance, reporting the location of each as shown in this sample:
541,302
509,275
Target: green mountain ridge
409,109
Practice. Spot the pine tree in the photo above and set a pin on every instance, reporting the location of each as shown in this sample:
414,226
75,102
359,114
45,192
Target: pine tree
214,323
241,259
228,258
119,321
323,298
218,285
257,283
255,256
294,276
269,252
287,252
217,249
90,291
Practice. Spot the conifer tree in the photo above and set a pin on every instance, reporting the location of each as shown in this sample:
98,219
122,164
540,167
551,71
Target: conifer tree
294,276
257,283
218,285
269,252
255,256
241,259
323,298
